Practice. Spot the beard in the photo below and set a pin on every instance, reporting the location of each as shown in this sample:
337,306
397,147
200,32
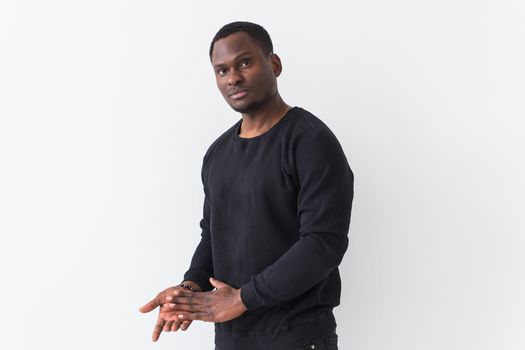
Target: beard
253,106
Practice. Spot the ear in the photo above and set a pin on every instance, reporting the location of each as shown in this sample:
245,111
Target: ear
277,67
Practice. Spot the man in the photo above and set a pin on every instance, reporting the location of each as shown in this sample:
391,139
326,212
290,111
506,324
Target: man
278,196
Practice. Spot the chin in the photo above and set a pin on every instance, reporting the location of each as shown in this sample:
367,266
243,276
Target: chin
246,109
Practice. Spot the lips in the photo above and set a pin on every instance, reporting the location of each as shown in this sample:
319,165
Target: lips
237,93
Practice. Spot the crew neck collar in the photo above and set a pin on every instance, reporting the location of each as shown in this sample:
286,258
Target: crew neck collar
237,129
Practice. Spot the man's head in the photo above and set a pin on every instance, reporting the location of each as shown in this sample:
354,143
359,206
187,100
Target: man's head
255,31
245,66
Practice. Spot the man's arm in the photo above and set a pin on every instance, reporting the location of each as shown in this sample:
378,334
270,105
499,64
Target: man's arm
196,277
323,207
201,267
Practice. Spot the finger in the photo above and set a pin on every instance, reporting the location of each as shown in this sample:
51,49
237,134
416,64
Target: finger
188,308
171,307
185,325
150,305
175,316
185,300
167,326
167,307
175,326
203,316
218,284
158,329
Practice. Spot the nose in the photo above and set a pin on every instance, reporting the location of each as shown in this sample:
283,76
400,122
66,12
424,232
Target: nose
235,77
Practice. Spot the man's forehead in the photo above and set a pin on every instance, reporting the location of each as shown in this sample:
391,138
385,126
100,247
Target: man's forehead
230,47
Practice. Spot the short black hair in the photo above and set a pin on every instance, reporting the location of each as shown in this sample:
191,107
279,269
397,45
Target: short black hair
255,31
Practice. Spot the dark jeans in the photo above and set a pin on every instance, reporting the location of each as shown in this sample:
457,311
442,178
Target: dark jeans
328,342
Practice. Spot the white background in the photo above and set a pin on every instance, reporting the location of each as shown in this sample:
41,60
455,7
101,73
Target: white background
107,107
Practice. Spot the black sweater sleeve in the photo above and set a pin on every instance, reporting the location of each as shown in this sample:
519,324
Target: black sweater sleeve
201,268
325,195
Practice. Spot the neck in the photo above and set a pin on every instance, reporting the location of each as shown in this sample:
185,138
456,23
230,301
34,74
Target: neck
258,122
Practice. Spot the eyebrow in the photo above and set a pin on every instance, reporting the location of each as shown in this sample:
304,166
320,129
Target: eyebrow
234,59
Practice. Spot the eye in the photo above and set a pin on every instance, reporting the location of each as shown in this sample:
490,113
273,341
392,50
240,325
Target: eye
246,62
221,71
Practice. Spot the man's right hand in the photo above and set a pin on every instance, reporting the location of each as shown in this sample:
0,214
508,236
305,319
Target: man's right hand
164,312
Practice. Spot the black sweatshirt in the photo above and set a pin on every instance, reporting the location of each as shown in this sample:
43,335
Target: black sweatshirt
276,218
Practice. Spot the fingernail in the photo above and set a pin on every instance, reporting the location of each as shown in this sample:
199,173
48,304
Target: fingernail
169,297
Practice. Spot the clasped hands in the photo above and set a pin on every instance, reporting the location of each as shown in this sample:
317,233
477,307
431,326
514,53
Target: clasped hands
180,306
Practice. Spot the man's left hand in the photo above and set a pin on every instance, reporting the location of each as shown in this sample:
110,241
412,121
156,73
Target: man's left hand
220,305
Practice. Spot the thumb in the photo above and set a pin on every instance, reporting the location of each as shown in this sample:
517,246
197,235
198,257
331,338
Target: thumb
152,305
218,284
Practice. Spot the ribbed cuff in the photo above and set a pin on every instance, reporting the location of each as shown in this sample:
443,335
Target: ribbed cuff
249,296
200,277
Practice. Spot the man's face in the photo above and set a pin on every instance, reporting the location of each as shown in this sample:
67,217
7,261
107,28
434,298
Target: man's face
245,76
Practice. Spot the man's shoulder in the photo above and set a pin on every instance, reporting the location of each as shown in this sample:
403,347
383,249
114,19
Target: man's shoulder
308,125
220,140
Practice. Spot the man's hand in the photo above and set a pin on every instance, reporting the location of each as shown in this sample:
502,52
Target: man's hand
220,305
166,320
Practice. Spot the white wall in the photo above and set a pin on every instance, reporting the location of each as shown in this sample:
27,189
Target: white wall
107,107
